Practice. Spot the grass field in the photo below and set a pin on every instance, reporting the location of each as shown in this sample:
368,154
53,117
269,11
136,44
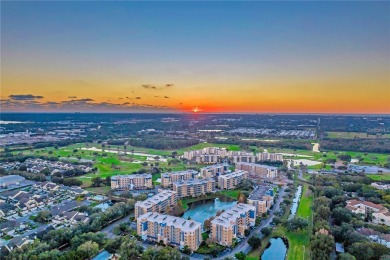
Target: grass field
230,193
352,135
379,177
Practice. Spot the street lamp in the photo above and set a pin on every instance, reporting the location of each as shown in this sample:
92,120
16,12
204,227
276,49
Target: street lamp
303,252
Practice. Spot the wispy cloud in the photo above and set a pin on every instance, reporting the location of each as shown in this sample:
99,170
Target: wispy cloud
154,87
25,97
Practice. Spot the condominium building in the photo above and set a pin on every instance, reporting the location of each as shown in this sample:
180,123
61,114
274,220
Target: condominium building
170,230
160,203
213,171
206,155
258,170
272,157
241,156
131,182
168,178
232,224
231,180
262,197
194,187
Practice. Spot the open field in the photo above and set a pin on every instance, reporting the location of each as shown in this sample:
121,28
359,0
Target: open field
379,177
352,135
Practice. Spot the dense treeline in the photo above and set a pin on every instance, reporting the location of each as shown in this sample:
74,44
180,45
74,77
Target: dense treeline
160,142
357,145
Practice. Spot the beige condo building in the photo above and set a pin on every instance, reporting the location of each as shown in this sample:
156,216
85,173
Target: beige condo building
170,230
231,180
262,197
160,203
132,182
272,157
168,178
194,187
232,224
213,171
258,170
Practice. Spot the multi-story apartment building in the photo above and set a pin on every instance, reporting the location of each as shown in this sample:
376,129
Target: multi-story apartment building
231,180
170,230
131,182
213,171
262,197
160,203
194,187
206,155
232,224
258,170
272,157
241,156
168,178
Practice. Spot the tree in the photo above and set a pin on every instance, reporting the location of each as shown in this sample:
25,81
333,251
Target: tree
296,223
240,255
187,250
144,164
254,242
362,251
266,231
108,181
341,215
96,181
88,249
174,154
321,246
345,256
43,216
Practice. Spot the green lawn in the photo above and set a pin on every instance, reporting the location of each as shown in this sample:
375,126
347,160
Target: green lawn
99,190
379,177
230,193
207,249
304,209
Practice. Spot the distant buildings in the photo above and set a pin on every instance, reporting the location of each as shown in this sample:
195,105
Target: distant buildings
258,170
272,157
132,182
232,224
242,156
231,180
160,203
213,171
194,187
168,178
262,197
170,230
207,155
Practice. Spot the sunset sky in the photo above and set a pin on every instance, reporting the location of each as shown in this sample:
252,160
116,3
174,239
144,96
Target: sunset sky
266,57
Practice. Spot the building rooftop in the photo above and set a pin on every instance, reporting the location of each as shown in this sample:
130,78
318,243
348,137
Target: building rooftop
194,181
11,178
144,175
167,174
181,223
230,216
215,166
155,199
259,165
233,174
259,192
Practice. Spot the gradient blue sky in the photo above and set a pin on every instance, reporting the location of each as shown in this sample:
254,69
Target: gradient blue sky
220,56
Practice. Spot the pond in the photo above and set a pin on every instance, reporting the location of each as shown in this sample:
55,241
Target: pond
276,249
204,209
295,202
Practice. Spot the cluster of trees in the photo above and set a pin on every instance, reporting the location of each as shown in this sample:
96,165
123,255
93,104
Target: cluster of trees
357,145
334,223
98,181
162,142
